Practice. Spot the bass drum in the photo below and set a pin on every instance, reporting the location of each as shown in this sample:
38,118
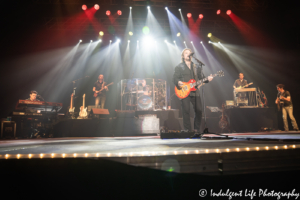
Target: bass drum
144,103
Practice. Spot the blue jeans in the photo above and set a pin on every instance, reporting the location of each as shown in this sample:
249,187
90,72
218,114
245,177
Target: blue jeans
100,99
285,111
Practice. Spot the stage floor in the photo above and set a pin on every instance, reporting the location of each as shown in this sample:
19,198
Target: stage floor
153,152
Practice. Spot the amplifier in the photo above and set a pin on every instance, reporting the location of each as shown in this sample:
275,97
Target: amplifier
8,129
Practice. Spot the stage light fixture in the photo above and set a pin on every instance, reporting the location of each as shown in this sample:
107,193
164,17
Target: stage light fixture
110,41
148,7
178,34
137,41
192,42
179,10
146,30
100,40
228,12
91,41
201,16
201,42
119,12
209,42
128,41
80,40
184,42
96,6
209,35
165,41
101,33
219,42
84,7
118,40
174,41
107,12
130,33
130,7
189,15
218,12
166,8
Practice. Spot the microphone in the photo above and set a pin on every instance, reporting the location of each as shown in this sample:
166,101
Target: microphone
40,97
192,54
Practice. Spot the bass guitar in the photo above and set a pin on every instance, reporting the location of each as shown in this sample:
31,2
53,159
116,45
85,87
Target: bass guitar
83,112
96,93
184,90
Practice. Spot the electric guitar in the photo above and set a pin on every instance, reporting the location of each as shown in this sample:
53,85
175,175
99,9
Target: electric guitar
184,90
96,93
83,113
279,102
244,85
71,109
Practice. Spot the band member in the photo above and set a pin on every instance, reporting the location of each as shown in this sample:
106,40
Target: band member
240,82
285,99
32,96
100,84
185,71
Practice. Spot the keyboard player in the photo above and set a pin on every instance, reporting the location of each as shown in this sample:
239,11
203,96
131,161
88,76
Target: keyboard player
33,95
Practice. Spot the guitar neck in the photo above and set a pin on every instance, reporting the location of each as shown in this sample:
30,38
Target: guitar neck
203,80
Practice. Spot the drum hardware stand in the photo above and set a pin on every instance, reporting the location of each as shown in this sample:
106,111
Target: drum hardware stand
205,131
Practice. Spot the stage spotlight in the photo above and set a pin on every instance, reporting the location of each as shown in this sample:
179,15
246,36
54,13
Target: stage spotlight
100,40
118,40
166,8
179,10
137,41
228,12
192,42
119,12
146,30
219,42
80,40
148,40
218,12
128,41
201,42
201,16
148,7
189,15
209,42
209,35
130,33
110,41
174,41
101,33
91,41
96,6
107,12
84,7
165,41
184,42
178,34
130,7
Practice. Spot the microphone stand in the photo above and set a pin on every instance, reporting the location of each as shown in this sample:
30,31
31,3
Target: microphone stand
205,131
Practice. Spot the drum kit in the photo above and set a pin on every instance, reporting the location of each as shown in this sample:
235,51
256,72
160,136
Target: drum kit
143,94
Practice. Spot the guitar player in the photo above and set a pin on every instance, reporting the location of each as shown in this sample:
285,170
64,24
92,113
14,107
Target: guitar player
183,72
100,84
241,82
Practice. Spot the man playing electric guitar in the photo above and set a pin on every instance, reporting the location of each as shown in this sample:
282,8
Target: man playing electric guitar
184,72
101,97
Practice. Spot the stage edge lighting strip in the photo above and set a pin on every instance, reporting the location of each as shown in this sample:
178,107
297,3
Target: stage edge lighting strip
145,153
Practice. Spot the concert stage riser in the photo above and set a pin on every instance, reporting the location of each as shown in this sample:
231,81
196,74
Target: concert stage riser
225,163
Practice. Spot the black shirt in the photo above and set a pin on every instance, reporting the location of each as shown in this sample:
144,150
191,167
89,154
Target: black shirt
285,94
184,74
239,83
98,86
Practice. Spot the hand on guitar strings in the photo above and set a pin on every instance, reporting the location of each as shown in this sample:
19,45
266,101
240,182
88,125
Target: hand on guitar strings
210,77
180,83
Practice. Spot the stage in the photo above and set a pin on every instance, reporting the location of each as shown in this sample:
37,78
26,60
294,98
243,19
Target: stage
239,153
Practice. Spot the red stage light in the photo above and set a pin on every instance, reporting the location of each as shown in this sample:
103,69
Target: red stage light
83,7
228,12
201,16
119,12
218,12
107,12
96,6
189,15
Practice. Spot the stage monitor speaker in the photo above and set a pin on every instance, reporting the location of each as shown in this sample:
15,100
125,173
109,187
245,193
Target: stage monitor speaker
100,113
